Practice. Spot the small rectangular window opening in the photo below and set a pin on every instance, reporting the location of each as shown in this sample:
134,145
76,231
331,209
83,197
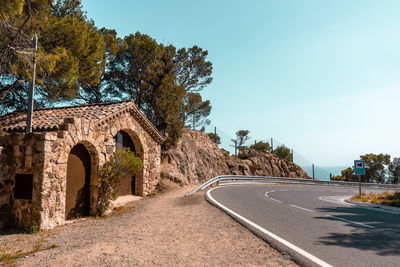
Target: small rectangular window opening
23,186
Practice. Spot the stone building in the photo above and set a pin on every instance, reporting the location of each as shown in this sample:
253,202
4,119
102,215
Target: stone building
50,175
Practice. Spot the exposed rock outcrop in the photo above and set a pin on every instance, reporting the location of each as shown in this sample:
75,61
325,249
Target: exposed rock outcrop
196,158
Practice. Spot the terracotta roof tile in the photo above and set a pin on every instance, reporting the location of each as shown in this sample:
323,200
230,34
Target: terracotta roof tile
50,119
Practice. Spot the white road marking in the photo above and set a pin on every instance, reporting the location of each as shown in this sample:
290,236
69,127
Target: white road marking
345,220
301,208
336,200
275,200
272,235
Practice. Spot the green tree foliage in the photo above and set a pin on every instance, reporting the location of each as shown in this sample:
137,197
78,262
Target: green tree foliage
195,110
283,153
76,62
193,71
260,146
67,8
18,20
93,92
375,167
69,56
347,175
215,138
242,136
123,163
77,48
394,171
161,81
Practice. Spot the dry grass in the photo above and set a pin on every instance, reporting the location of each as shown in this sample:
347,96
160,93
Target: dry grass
386,198
9,258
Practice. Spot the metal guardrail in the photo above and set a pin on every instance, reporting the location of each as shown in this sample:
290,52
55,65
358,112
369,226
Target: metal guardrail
235,178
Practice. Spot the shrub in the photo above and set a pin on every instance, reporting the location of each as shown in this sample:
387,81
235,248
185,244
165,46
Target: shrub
225,152
215,138
260,146
384,198
243,156
124,162
33,229
254,167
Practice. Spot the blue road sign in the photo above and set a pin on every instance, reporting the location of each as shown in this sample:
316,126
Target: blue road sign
359,167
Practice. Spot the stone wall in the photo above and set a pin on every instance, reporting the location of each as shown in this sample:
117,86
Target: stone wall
46,156
20,154
99,141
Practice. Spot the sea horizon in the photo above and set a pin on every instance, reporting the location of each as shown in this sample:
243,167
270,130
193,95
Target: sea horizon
323,172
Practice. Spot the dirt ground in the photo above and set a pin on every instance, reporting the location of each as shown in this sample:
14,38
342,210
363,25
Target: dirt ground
167,229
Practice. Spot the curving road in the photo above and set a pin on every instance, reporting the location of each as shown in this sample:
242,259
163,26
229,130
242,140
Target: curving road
316,220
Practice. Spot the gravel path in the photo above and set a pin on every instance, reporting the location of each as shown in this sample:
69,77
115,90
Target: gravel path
166,230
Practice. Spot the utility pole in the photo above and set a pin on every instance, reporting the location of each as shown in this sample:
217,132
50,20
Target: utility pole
292,156
272,144
235,147
235,142
313,174
31,94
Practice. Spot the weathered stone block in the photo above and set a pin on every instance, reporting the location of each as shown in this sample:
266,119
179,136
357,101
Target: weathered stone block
46,156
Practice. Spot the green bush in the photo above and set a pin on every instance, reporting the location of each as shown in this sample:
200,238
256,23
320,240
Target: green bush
33,229
260,146
124,162
243,156
254,167
225,152
215,138
283,153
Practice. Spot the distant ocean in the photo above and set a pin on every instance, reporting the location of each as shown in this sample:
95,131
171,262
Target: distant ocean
322,172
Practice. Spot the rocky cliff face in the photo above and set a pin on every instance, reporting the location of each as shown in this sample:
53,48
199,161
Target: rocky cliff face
196,159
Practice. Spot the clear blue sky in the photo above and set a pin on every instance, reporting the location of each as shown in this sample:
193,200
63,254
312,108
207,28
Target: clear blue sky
321,76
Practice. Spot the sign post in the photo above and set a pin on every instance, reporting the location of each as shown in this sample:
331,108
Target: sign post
359,169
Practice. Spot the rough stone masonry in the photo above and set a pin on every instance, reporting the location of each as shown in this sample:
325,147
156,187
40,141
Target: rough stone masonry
34,166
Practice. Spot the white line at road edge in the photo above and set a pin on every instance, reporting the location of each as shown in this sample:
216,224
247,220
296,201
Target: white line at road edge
345,220
275,200
301,208
272,235
336,200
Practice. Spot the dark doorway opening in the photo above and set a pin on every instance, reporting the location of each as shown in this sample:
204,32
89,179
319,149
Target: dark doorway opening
77,202
127,185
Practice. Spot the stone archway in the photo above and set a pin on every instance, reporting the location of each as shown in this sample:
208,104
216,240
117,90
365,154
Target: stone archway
77,201
130,185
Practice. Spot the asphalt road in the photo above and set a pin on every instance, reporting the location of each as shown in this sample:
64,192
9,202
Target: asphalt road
315,219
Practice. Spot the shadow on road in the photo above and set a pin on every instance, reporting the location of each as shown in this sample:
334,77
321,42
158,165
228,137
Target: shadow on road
383,240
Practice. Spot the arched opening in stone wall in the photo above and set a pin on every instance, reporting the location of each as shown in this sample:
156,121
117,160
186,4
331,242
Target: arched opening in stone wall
77,201
130,185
